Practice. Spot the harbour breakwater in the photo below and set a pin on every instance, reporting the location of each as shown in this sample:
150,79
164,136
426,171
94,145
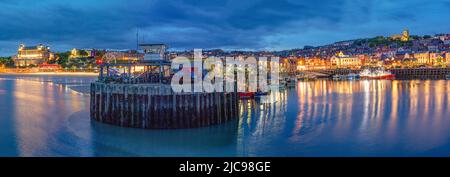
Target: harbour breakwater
400,73
156,106
421,73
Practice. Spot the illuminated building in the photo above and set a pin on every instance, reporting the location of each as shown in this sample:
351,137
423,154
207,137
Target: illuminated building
428,57
312,64
33,55
154,51
447,57
75,53
402,37
288,65
122,57
345,61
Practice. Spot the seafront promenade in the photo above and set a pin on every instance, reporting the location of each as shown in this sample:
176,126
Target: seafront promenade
400,73
63,72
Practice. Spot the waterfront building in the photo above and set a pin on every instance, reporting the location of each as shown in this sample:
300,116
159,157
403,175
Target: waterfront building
154,51
345,61
447,57
423,57
122,57
314,63
428,58
365,59
435,57
33,55
288,65
45,67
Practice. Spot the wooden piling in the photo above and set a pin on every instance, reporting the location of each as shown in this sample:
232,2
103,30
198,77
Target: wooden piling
155,106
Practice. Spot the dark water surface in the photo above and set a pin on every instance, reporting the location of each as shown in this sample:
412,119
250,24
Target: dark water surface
42,116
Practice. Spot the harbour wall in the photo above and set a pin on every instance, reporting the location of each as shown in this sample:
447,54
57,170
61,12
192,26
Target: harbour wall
156,106
403,73
421,73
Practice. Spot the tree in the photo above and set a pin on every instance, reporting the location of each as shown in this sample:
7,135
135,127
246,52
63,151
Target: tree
63,58
7,61
83,53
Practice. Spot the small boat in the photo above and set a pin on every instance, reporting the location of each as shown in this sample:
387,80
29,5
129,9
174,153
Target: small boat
283,84
306,77
291,83
246,95
337,77
448,76
351,76
259,94
376,74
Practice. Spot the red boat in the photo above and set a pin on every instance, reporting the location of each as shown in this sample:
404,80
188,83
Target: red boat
387,76
246,95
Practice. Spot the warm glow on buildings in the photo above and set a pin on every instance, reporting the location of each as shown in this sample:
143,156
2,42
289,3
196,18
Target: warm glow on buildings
33,55
447,57
288,65
402,37
118,56
345,61
76,53
312,64
428,57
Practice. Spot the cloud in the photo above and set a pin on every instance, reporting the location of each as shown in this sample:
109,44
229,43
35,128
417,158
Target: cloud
232,24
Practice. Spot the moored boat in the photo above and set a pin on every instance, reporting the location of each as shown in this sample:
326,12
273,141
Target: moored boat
246,95
259,94
376,74
351,76
291,82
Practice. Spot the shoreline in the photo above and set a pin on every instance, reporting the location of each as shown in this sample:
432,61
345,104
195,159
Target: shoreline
77,88
50,74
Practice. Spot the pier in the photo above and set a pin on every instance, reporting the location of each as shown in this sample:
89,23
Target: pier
421,73
400,73
139,95
155,106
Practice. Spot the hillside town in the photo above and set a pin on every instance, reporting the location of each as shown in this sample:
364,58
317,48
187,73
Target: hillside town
396,51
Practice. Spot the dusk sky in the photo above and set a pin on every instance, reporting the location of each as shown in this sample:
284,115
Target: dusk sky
232,24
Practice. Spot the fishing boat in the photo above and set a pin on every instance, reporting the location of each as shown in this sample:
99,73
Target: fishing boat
376,74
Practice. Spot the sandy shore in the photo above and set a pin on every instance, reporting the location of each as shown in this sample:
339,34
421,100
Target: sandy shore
53,74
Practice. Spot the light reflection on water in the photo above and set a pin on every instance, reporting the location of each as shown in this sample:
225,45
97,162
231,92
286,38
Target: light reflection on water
321,118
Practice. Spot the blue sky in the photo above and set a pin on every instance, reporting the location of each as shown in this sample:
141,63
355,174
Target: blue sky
232,24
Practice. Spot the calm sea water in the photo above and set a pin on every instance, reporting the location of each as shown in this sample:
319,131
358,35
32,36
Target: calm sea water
42,116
